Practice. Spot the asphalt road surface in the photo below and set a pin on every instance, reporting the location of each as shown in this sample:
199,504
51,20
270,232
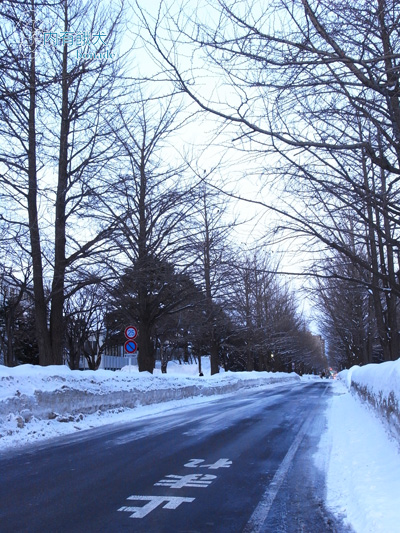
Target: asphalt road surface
242,463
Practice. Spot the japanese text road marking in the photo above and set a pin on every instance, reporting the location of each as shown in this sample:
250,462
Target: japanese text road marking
176,482
171,502
192,480
221,463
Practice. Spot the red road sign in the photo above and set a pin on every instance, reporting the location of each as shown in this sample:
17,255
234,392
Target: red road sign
130,346
130,332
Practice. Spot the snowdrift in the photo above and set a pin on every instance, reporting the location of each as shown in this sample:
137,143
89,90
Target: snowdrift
379,386
31,394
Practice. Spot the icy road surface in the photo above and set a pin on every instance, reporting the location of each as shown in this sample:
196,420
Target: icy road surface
243,462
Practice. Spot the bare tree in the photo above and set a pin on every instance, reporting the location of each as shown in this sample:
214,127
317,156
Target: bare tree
255,279
357,317
172,299
149,204
54,131
318,84
347,322
12,293
208,241
265,313
85,331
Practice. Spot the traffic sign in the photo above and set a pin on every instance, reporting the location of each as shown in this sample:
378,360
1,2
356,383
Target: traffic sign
130,332
130,346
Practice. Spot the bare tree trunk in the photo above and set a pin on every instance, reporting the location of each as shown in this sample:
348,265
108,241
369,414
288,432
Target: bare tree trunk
42,332
146,349
249,326
146,361
214,348
57,293
391,300
10,359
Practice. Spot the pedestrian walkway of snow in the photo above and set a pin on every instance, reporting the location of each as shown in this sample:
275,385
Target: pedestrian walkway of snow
362,462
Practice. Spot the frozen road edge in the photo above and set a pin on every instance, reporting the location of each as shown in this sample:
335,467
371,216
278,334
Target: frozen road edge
260,513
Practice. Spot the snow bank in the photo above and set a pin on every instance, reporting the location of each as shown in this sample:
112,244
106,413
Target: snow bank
362,465
378,385
32,394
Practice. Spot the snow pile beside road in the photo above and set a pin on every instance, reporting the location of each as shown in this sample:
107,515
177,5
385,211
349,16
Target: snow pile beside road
362,465
35,400
379,385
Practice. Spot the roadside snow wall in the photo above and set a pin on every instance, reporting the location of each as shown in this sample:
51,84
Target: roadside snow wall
379,386
46,393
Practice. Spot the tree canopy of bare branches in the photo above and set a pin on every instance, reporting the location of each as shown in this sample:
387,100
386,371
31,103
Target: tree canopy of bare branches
55,144
312,88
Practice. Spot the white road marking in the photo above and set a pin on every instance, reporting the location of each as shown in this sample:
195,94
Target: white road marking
194,463
260,514
192,480
221,463
175,482
171,502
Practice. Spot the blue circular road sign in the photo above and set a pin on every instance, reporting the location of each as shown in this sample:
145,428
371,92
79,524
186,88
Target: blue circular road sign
130,346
